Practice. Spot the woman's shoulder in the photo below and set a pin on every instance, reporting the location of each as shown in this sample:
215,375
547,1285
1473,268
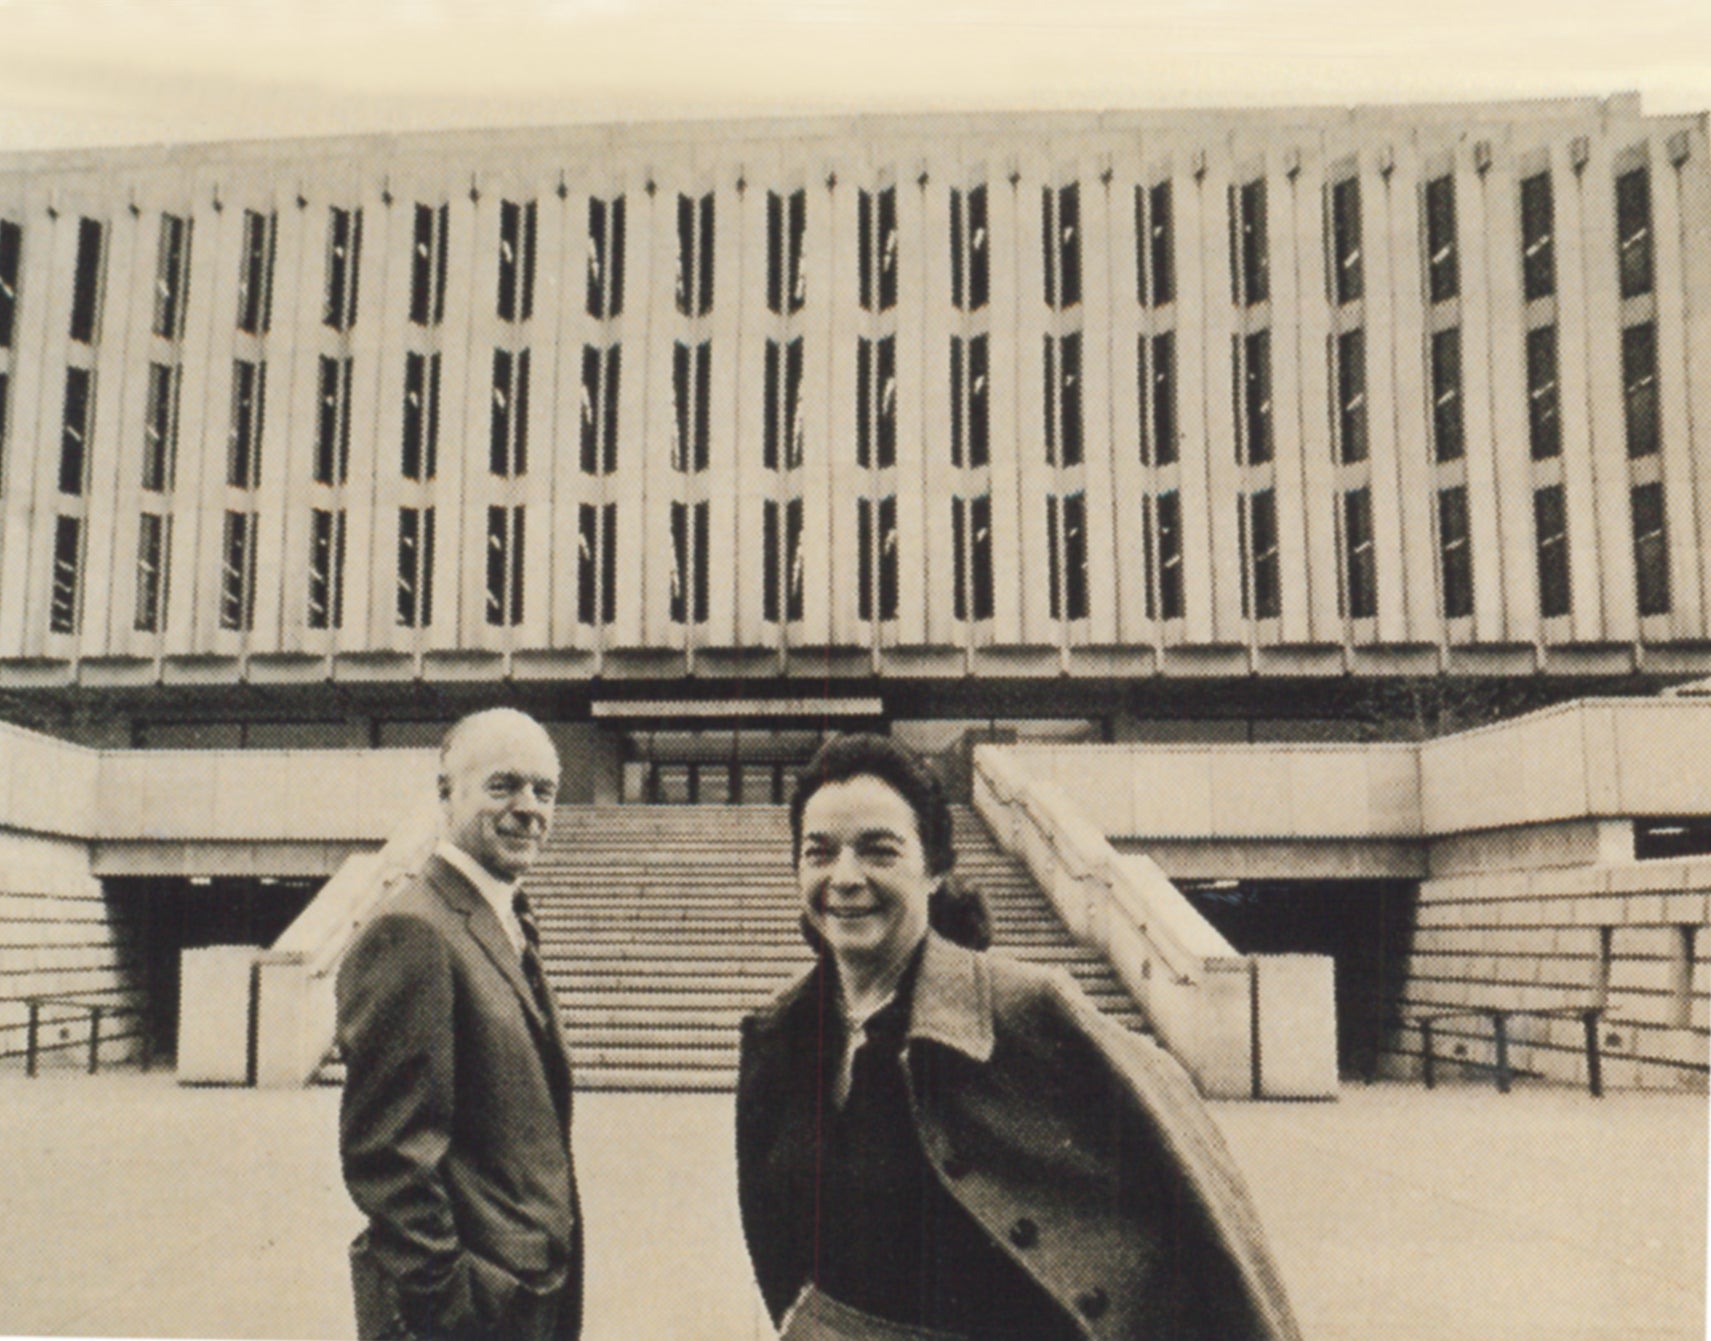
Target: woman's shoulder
772,1015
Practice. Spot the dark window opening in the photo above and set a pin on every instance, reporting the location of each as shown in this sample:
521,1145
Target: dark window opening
1544,404
690,585
601,377
1550,528
63,610
333,422
516,260
326,568
428,265
344,263
508,434
172,276
1538,245
1448,439
237,572
78,425
504,566
1651,549
1360,563
421,416
160,428
606,257
970,250
1634,231
249,412
876,403
1455,553
153,541
1351,396
415,567
695,255
1640,389
1443,272
1063,399
692,391
1346,277
1256,520
255,276
86,282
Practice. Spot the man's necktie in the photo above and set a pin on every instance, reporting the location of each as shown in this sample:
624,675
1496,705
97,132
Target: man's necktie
532,969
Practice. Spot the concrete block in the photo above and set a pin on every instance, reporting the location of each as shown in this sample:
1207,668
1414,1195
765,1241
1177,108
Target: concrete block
214,1016
1642,908
1297,1026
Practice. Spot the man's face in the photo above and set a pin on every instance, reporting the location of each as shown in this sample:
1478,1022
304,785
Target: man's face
498,788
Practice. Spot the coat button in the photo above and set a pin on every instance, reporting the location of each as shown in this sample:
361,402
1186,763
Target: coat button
957,1167
1093,1303
1024,1233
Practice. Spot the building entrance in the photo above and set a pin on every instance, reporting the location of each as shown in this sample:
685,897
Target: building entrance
1366,926
714,766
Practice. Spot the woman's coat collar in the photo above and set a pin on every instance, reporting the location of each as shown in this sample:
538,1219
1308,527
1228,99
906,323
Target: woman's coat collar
953,999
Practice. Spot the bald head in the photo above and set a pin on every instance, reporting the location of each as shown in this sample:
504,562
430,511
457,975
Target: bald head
498,779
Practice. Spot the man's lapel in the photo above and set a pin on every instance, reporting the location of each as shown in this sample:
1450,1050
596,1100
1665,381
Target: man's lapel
478,914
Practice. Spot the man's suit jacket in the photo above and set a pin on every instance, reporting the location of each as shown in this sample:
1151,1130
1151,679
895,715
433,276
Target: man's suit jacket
455,1126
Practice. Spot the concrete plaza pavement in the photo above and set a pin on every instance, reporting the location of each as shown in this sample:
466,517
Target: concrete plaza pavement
132,1207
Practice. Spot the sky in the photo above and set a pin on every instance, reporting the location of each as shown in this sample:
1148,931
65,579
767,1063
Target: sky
98,72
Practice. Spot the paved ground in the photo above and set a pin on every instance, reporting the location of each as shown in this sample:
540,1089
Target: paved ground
131,1207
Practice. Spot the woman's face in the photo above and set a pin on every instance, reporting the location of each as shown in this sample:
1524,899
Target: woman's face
862,871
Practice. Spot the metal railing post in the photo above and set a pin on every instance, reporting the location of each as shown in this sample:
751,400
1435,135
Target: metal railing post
94,1039
1500,1030
1426,1067
1594,1065
32,1037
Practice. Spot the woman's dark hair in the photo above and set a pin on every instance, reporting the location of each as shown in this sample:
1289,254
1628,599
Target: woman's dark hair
956,912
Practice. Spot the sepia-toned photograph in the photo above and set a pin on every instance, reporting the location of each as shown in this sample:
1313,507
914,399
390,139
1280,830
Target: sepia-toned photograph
855,671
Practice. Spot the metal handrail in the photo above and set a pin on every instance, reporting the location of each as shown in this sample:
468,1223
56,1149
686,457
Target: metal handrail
1588,1015
96,1012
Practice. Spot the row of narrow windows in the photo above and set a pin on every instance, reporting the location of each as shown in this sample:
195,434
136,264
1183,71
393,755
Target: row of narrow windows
877,252
878,560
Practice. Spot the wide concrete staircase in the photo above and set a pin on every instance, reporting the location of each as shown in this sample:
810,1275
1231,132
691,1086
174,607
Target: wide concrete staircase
662,925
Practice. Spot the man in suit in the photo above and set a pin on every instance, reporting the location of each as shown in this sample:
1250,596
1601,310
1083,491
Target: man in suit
455,1126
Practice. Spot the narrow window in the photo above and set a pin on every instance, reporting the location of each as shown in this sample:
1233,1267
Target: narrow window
1155,268
1538,228
237,572
596,560
695,255
1345,240
1256,519
1351,396
876,237
691,381
1060,231
1066,547
1681,975
1544,409
969,401
1359,564
601,369
876,403
249,408
1455,553
152,533
508,437
415,567
11,254
326,568
344,262
79,422
1254,367
1063,398
1550,528
86,282
428,265
971,545
781,594
786,228
1163,401
876,544
1251,257
1640,388
333,422
970,254
1634,231
421,415
606,257
255,276
1447,437
160,428
67,557
781,436
689,578
1161,544
516,260
504,566
1651,550
5,397
1443,273
172,276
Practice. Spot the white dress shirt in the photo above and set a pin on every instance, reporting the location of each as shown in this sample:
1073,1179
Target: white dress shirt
500,894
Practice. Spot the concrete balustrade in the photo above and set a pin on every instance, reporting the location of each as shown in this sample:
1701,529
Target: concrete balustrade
1243,1026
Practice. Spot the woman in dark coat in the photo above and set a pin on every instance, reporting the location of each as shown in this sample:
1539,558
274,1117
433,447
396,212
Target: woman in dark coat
935,1142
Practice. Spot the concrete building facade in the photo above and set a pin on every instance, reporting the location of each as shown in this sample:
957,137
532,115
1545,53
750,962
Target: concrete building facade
937,401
